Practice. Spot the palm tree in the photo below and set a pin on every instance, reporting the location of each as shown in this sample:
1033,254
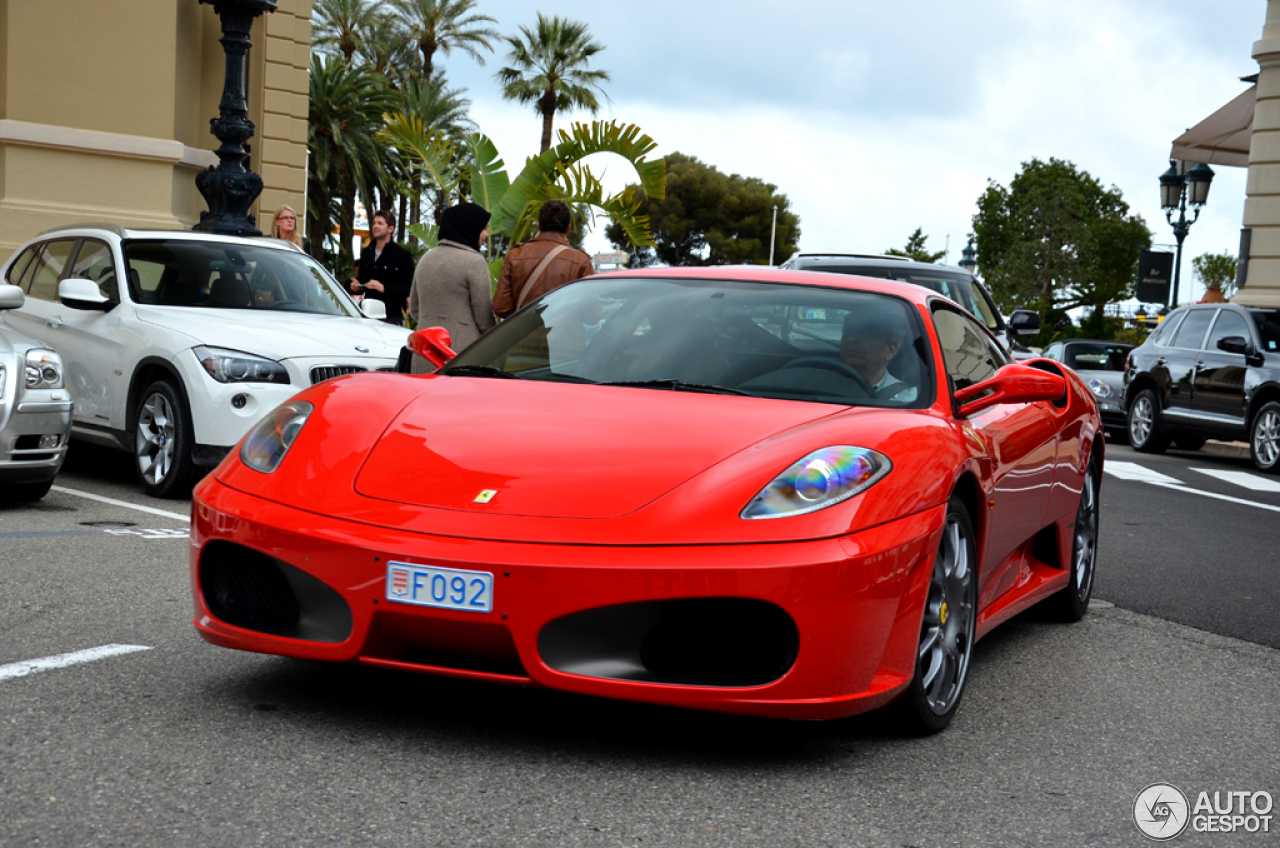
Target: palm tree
340,25
346,157
438,107
549,69
443,25
386,48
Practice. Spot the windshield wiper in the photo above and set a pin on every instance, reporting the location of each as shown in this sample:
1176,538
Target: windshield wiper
478,371
680,386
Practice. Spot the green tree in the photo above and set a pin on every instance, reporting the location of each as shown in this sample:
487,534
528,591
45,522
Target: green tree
340,25
1055,239
442,25
384,48
548,68
1216,271
915,249
729,218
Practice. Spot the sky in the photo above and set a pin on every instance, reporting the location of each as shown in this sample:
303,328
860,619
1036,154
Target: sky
875,118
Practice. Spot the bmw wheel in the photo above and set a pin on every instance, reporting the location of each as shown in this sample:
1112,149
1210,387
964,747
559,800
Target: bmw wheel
162,441
1264,438
947,630
1072,602
1145,434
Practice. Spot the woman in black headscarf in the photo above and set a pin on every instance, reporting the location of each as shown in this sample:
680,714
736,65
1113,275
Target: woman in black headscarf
451,284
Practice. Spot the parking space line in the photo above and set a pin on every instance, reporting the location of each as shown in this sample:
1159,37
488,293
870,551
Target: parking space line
22,669
1133,471
174,515
1242,478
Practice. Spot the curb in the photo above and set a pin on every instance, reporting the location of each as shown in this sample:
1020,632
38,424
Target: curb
1238,450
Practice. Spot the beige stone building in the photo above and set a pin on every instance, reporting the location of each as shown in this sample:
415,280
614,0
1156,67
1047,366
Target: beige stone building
105,109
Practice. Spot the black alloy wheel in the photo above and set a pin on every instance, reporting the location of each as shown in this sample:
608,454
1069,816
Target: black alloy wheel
1072,602
1145,433
162,441
1264,438
947,630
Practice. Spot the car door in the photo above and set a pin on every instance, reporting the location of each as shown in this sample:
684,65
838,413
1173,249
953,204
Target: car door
1179,362
39,281
1021,445
1218,397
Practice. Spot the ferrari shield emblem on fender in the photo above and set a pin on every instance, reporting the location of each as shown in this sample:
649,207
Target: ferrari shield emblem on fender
486,495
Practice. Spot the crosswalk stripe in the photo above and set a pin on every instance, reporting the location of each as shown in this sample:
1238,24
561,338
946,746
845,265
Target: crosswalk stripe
1243,479
1133,471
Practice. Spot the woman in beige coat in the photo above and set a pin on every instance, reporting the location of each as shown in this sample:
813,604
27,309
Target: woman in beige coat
451,284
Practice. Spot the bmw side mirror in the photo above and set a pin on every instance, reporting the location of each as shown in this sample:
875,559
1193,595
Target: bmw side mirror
1024,322
11,297
373,309
78,293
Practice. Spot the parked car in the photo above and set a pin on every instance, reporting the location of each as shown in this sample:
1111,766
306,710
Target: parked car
35,410
746,490
175,343
1101,365
955,283
1209,371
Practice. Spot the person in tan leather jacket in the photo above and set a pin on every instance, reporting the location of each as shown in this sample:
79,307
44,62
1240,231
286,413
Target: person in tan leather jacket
548,256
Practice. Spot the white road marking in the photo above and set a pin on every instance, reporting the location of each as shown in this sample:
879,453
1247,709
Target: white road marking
150,509
1133,471
1243,479
1216,496
22,669
151,534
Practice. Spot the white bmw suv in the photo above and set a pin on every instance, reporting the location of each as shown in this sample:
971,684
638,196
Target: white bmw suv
175,343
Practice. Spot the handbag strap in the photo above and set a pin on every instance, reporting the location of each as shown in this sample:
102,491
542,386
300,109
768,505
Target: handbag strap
537,272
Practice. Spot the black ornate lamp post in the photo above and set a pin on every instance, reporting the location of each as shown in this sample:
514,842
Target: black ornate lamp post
968,260
231,188
1176,191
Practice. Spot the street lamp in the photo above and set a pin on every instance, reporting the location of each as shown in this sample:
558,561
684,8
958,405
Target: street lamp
1176,191
967,260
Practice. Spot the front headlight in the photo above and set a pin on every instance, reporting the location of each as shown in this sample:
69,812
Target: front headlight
822,479
44,370
263,449
1099,388
232,366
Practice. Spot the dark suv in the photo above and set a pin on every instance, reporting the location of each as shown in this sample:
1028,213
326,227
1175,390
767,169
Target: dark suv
1210,371
948,281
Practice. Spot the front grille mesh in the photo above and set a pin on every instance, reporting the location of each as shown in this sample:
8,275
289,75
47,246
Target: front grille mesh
327,372
245,588
722,641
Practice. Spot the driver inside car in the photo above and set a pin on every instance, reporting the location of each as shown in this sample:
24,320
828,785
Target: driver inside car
869,340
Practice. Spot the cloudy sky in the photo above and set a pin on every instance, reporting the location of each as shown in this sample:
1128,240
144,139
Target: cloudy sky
875,118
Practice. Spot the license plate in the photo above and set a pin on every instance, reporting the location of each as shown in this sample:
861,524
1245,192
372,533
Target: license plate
449,588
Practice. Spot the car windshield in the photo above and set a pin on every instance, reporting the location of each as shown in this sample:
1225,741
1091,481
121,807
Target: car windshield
957,287
1268,324
214,275
1096,357
791,342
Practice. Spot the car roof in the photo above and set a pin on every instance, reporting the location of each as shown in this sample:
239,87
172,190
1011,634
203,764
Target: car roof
128,233
817,260
762,274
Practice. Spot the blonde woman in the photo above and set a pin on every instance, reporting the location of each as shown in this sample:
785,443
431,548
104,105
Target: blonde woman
285,227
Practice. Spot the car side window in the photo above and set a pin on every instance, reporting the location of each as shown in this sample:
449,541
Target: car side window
95,262
1228,324
48,266
14,275
970,355
1053,351
1268,324
1191,333
1162,336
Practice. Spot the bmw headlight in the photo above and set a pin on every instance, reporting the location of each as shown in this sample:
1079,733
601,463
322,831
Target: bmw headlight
822,479
44,370
232,366
1099,388
263,449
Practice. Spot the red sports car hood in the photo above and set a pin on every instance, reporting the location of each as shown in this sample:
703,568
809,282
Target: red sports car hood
542,450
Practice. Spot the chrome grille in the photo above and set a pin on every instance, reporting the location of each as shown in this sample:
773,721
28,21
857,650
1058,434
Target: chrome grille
327,372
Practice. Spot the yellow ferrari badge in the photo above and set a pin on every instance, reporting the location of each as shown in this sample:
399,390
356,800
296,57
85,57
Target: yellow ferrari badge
486,495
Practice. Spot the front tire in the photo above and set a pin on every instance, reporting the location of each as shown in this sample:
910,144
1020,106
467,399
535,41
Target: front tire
1264,438
19,493
162,441
1145,434
1072,602
947,630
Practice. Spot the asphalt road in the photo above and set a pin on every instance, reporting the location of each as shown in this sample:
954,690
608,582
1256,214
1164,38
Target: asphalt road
187,744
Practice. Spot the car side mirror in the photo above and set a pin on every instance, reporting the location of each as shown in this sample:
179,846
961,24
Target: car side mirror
11,297
1237,344
373,309
79,293
1016,383
432,344
1024,322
